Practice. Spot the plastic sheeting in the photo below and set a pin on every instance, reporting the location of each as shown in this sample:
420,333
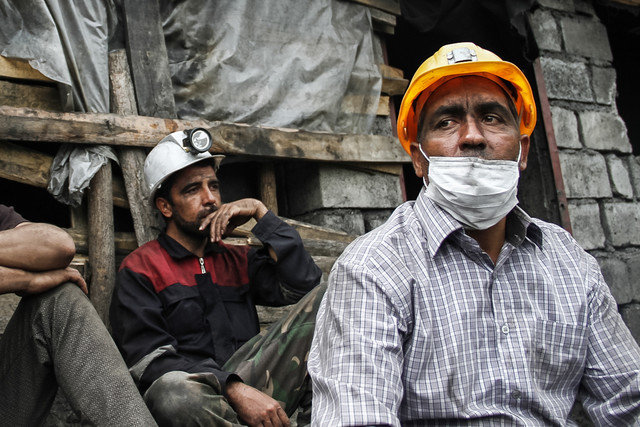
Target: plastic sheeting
301,64
67,42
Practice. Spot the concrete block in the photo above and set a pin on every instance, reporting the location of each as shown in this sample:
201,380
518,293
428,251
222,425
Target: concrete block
375,218
586,225
565,127
566,5
619,176
545,30
347,220
566,80
623,222
586,37
633,267
604,131
631,316
604,85
634,171
585,175
616,275
329,186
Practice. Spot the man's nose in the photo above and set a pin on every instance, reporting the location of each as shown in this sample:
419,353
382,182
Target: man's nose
207,196
471,135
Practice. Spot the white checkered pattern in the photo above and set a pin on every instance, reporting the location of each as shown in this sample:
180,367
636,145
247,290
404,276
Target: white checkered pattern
419,327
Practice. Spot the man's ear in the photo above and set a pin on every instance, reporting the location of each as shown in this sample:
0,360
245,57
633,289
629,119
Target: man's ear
164,206
525,143
419,162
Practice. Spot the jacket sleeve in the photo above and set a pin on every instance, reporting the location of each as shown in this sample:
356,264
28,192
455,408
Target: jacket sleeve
292,276
141,333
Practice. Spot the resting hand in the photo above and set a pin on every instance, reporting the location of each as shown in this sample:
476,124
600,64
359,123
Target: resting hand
231,215
255,407
44,280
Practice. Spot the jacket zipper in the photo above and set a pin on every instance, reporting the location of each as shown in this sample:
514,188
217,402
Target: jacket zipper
202,265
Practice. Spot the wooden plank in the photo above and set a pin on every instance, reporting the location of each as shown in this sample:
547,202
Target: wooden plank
145,222
20,69
382,22
390,168
390,6
268,193
148,58
101,241
124,242
32,167
20,124
29,95
24,165
393,82
384,109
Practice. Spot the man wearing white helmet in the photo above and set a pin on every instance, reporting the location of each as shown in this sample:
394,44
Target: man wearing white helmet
462,309
183,311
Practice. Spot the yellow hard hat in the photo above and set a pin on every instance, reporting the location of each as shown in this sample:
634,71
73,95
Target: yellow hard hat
460,59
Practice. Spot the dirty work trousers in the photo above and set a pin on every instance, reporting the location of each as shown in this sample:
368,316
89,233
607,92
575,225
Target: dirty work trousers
274,362
57,339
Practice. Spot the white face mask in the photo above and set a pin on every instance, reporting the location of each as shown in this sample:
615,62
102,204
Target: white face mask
476,192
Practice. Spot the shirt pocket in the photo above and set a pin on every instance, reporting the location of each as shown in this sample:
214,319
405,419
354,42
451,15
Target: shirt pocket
183,310
558,356
241,311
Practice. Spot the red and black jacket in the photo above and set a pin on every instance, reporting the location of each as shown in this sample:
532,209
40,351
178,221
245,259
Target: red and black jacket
174,311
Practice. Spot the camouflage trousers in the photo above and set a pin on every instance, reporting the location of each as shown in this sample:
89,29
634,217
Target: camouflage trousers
274,362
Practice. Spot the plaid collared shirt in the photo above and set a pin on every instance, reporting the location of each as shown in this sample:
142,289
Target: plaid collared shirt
418,327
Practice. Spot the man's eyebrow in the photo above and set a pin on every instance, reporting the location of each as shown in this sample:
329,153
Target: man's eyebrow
493,106
455,110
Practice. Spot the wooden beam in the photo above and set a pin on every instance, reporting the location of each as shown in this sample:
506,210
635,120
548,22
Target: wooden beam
20,69
40,96
384,109
382,22
268,193
21,124
393,82
145,222
391,6
31,167
148,58
102,255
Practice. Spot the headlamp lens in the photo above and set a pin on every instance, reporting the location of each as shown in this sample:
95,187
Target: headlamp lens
199,139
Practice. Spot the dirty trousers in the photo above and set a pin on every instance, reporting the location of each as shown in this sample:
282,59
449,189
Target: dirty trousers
274,362
57,339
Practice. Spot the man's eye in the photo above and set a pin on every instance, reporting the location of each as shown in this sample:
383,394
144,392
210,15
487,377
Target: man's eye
492,118
444,123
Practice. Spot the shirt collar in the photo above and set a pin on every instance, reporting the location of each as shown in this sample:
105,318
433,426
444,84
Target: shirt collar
177,251
438,224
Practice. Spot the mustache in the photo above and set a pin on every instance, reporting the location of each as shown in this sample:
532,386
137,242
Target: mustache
205,212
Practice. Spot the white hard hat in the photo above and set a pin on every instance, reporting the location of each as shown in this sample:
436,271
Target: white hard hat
173,153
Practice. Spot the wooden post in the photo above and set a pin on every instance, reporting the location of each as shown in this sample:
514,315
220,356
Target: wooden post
101,241
268,187
145,221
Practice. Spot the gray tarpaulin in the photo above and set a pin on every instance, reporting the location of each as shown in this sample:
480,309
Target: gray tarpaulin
66,41
305,64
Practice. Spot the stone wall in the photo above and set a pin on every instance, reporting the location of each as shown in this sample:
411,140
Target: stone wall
601,174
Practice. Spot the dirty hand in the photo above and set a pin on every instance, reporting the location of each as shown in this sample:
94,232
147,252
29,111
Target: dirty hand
44,280
255,407
231,215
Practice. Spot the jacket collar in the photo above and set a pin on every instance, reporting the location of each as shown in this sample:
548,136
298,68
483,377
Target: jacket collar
177,251
439,225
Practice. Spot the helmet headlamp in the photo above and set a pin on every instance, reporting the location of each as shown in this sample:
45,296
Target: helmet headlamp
197,140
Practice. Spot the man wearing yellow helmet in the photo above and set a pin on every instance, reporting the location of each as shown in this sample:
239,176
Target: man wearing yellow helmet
462,308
